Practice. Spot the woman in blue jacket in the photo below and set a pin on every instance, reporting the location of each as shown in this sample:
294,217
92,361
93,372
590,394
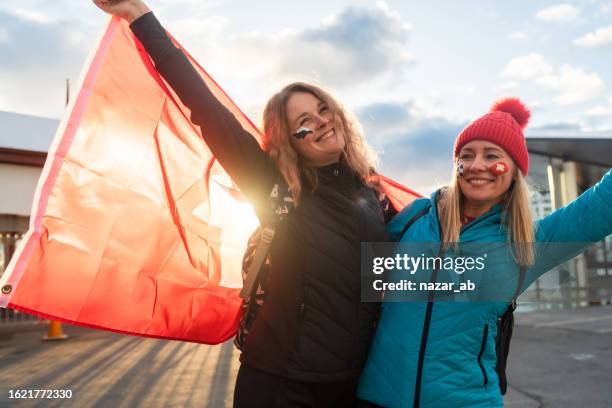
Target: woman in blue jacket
440,353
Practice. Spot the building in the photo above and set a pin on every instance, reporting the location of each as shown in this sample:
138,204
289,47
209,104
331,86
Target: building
561,168
24,142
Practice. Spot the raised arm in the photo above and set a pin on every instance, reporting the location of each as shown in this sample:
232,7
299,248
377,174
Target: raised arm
237,150
570,230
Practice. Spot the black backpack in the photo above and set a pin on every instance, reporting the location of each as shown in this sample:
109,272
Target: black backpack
505,324
256,262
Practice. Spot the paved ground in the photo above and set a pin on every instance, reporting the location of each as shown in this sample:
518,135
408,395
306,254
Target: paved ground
558,359
562,359
110,370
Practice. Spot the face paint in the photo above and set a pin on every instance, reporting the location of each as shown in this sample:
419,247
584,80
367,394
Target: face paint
460,168
302,133
498,168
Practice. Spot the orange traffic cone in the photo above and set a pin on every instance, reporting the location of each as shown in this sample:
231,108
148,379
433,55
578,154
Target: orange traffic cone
55,331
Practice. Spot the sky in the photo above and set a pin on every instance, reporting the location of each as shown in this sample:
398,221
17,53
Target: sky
414,73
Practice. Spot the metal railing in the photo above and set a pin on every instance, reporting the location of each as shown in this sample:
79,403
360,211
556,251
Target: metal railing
8,242
570,291
10,316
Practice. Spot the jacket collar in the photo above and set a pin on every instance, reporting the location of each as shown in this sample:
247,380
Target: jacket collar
494,216
337,174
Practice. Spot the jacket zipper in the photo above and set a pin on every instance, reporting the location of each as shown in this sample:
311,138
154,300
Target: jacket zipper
482,349
486,327
428,312
422,348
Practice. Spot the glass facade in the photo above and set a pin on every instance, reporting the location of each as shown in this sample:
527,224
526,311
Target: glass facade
587,278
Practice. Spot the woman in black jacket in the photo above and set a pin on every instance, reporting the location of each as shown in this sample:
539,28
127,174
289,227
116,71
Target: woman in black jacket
309,341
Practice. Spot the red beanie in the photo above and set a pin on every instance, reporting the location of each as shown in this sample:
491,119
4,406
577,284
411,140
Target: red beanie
503,125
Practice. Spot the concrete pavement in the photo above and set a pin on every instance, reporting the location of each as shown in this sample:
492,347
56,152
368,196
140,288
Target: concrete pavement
111,370
560,359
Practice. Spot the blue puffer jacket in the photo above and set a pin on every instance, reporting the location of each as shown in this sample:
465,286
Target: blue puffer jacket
457,339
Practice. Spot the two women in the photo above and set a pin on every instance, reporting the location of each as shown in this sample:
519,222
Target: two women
309,341
442,353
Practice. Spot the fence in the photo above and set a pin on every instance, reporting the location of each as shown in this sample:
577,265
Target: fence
8,243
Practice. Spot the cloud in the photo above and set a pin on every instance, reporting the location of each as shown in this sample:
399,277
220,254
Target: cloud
556,127
39,41
599,118
42,43
4,35
38,54
601,110
601,37
527,67
570,84
559,13
386,120
32,15
351,47
357,45
508,86
416,148
517,35
605,9
194,23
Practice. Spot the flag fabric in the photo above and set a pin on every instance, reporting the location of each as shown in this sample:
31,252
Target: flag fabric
135,228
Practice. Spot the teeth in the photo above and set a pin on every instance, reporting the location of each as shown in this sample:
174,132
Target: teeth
328,133
479,182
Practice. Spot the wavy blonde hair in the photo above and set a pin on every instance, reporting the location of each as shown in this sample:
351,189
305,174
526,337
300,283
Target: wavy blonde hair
518,219
294,169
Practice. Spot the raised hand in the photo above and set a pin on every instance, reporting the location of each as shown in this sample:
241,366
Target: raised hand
129,10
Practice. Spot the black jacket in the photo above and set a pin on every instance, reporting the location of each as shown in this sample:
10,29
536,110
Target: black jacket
313,326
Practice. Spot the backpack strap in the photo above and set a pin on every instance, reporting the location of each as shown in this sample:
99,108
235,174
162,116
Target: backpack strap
415,217
504,334
519,287
260,255
281,203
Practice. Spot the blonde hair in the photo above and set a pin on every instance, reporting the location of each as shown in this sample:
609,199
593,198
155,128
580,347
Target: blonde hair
518,220
277,143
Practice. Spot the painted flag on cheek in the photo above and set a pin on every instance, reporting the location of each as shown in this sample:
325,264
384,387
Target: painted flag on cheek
135,228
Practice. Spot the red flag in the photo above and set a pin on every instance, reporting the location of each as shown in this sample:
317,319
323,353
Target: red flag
135,228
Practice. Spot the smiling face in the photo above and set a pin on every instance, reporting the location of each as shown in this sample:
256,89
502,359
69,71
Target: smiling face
325,143
481,183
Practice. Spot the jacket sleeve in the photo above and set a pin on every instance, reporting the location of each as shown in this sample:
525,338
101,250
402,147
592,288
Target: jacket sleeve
568,231
236,150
